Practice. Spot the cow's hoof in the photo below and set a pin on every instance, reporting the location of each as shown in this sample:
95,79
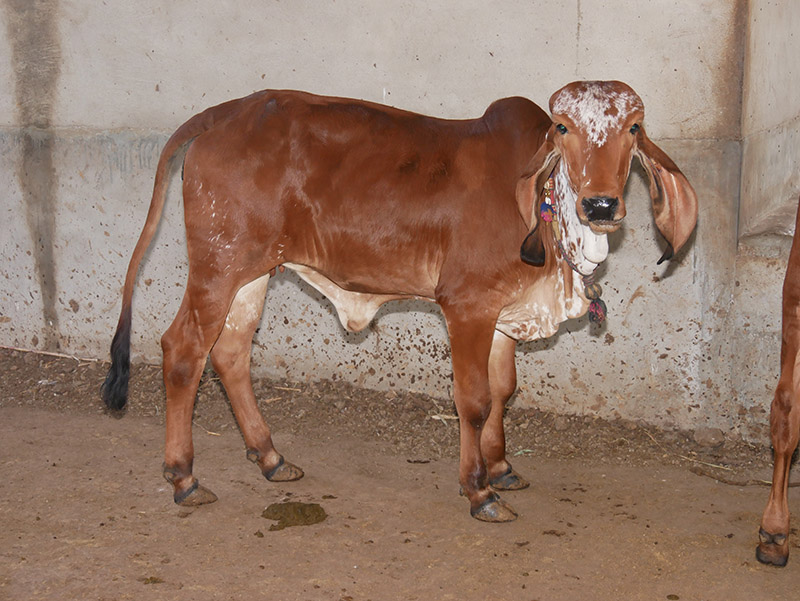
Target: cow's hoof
195,495
773,549
494,509
511,480
284,472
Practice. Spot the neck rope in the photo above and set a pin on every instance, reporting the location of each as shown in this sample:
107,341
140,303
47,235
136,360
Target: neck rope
591,289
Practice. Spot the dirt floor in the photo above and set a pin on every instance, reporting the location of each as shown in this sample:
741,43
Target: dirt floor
616,510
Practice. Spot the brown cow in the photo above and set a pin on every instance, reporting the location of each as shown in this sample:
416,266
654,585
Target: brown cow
369,204
784,418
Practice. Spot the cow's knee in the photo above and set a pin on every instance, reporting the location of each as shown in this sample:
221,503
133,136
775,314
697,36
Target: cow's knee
225,357
506,390
475,412
181,357
783,428
782,402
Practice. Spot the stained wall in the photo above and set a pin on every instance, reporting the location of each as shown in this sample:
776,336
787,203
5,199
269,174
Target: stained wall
98,87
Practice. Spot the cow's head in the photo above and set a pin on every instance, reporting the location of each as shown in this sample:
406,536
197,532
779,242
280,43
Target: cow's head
597,128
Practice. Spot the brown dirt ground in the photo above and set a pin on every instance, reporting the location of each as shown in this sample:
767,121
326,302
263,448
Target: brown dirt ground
616,511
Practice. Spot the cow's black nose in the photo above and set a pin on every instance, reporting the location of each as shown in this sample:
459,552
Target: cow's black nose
600,208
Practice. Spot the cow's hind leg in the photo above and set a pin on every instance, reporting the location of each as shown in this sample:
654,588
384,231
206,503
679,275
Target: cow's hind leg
185,345
231,360
773,547
503,383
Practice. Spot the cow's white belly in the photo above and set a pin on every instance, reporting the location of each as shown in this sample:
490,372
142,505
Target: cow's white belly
536,313
355,309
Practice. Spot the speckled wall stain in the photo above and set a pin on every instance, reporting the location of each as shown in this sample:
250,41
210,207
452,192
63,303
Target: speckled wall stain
301,338
32,28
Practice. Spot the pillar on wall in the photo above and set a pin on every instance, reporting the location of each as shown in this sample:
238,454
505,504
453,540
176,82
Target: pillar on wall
771,120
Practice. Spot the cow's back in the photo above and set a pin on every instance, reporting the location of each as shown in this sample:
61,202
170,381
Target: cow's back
374,197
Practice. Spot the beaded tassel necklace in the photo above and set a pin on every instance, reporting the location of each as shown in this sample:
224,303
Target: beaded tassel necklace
591,289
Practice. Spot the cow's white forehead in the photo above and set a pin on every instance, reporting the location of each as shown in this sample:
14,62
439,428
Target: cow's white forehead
596,107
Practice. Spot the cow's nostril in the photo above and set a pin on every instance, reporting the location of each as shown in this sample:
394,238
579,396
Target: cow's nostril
600,208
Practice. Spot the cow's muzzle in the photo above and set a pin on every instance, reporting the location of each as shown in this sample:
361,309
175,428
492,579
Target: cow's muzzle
601,213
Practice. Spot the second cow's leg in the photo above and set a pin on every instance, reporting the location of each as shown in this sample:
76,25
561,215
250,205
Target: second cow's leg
773,545
230,357
503,383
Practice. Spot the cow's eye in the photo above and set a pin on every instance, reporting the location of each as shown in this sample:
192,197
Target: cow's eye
562,129
634,128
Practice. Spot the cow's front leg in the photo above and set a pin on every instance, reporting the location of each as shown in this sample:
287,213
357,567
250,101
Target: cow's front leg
773,547
471,343
503,383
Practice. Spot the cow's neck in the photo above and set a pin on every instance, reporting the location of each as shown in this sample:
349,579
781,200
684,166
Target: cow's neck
585,250
580,247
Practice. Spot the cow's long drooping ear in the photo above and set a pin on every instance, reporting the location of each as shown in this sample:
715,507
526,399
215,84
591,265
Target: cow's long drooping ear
674,199
529,187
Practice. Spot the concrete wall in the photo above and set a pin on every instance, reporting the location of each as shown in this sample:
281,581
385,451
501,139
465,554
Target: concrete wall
99,86
769,196
771,119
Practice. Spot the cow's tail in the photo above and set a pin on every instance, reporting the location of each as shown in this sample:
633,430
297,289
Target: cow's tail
115,387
